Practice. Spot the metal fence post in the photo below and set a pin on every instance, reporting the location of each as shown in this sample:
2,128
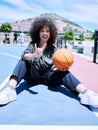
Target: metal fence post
95,45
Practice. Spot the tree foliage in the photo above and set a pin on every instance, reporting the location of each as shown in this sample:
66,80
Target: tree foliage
69,35
81,36
6,27
93,36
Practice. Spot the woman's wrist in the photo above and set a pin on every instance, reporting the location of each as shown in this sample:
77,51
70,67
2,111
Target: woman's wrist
29,56
33,56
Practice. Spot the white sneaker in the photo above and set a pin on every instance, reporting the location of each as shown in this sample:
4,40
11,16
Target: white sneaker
7,95
89,98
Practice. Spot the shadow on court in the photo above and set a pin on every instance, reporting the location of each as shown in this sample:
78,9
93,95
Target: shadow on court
43,105
25,86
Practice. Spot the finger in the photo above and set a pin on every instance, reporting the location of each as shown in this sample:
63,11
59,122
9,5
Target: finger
35,46
44,46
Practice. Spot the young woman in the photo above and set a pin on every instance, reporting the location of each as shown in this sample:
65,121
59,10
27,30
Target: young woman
36,66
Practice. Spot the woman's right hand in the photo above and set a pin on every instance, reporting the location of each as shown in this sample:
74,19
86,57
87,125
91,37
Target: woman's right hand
39,50
38,53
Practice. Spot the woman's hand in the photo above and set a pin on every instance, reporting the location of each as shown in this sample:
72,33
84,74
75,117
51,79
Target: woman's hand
56,69
39,51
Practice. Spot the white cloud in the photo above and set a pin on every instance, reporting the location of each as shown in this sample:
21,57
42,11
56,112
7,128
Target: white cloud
74,10
16,2
87,12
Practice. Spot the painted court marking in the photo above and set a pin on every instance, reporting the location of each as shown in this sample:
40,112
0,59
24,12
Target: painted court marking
95,111
37,127
7,79
4,83
3,53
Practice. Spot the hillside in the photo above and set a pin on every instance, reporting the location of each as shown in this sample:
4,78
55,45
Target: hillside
62,24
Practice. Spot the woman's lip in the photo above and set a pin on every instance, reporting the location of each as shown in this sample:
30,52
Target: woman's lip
44,37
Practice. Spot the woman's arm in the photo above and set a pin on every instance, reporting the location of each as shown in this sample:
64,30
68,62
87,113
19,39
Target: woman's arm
35,52
28,53
29,56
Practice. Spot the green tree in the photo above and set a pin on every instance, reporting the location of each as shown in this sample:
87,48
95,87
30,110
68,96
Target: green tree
93,36
81,36
69,35
6,27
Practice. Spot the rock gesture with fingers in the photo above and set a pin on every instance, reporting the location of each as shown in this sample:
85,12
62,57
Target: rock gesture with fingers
39,50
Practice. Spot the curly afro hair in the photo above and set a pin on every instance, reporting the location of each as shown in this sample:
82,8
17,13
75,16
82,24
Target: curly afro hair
37,25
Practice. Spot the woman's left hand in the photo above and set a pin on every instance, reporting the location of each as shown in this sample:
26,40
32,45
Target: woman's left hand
56,69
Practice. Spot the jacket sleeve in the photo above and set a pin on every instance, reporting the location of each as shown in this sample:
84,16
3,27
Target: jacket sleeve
29,49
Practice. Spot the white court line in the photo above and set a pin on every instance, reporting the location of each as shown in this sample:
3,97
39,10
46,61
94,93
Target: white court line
7,79
3,53
4,82
95,111
44,127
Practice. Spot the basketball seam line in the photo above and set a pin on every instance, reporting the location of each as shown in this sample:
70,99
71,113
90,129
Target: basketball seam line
66,58
59,62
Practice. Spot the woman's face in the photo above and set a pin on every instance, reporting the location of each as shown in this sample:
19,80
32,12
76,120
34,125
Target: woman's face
44,34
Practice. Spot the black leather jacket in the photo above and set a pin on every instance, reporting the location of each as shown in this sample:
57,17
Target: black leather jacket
44,63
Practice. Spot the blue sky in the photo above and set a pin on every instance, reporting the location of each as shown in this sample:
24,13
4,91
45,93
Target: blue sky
82,12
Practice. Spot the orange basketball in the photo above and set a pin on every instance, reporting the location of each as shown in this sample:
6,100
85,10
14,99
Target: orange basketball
63,58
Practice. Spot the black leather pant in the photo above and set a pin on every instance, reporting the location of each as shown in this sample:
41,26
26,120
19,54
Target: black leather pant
25,70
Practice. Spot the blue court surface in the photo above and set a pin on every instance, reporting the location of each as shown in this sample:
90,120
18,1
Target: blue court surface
39,105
